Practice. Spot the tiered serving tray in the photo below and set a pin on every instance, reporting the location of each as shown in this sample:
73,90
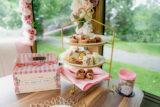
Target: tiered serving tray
101,62
104,39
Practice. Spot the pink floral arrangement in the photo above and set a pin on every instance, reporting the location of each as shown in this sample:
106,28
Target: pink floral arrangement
94,2
32,33
27,19
84,25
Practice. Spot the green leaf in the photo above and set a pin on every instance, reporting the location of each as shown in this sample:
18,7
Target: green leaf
76,17
83,20
80,24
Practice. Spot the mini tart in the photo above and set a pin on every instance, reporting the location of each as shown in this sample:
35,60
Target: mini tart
98,39
83,41
71,60
73,41
92,41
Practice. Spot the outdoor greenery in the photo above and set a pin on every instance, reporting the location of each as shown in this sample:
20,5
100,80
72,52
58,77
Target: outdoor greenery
136,47
50,13
10,17
146,80
151,78
134,22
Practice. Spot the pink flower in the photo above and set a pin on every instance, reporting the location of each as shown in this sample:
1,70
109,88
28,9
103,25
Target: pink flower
31,37
28,17
32,31
22,4
94,2
29,22
86,4
27,11
28,1
28,6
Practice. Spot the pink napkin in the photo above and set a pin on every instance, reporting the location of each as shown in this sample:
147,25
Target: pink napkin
85,84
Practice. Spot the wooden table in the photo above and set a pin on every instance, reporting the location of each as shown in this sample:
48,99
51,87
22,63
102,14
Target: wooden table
97,96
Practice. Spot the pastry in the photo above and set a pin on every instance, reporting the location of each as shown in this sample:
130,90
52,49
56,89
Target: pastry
80,74
92,40
89,74
98,39
73,39
88,60
91,60
72,60
95,57
68,53
82,54
78,61
75,49
83,39
75,55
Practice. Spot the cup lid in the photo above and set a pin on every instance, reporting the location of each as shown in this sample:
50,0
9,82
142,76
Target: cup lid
127,75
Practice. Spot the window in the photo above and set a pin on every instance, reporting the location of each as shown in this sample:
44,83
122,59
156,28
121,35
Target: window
50,15
137,43
137,46
10,16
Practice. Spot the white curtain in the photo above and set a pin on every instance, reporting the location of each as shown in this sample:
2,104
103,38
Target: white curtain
8,49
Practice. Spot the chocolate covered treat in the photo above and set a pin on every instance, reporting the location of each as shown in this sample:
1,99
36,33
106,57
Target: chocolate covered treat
78,61
98,39
81,74
89,74
92,40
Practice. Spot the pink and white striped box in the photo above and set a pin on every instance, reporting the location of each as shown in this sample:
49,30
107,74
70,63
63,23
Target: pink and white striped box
36,72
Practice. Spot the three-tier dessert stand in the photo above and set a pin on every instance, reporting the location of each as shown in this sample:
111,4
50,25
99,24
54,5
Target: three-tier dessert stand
85,14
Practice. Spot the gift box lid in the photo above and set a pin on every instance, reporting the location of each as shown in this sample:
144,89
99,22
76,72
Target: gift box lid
32,58
35,63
